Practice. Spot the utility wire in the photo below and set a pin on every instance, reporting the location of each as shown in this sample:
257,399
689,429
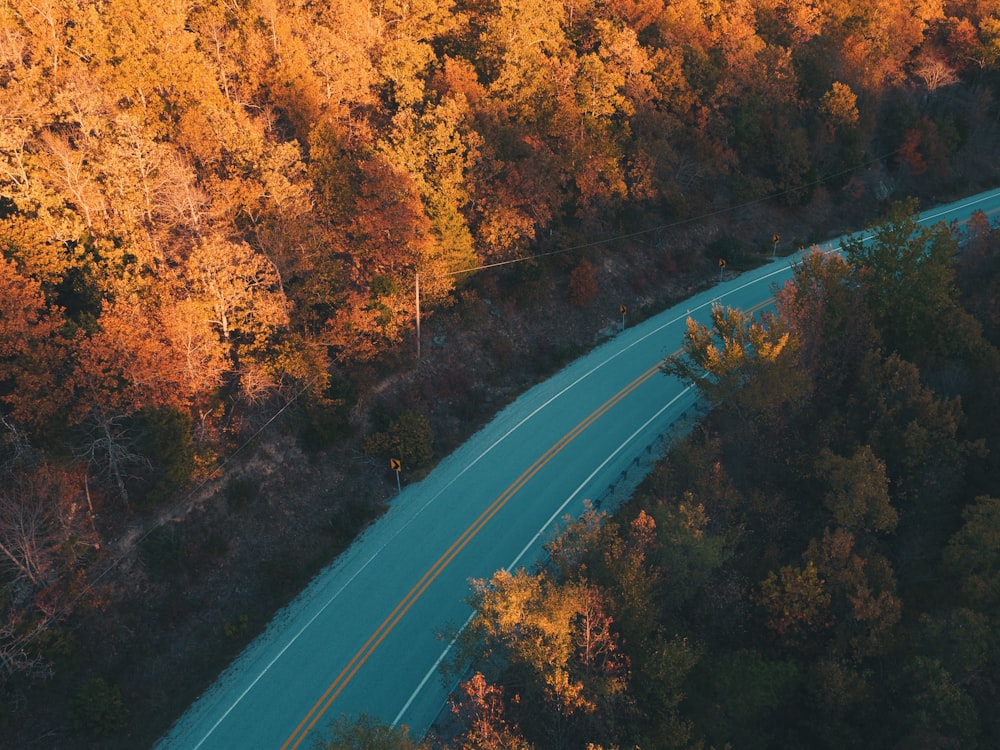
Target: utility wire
679,222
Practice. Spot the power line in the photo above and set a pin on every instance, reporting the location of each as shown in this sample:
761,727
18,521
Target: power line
678,223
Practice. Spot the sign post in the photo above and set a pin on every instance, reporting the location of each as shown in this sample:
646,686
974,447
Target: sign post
776,239
722,267
396,466
624,311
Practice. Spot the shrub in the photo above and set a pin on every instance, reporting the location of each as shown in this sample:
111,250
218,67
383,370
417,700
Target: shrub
237,631
409,438
58,646
327,417
167,443
583,284
98,708
161,551
241,492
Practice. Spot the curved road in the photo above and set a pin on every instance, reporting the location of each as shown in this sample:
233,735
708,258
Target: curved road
366,635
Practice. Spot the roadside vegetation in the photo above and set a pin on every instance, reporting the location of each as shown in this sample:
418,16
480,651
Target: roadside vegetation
815,566
213,217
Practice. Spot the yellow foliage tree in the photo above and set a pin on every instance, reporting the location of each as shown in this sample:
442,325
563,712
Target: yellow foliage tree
735,352
558,632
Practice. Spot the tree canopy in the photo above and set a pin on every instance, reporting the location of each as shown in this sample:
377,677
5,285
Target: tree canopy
846,596
210,211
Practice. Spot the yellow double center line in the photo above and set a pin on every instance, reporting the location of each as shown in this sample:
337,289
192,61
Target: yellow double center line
347,674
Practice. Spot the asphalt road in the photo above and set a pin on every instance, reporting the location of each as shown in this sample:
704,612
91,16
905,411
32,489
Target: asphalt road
368,634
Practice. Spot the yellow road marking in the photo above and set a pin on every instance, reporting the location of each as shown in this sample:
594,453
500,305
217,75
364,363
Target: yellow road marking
347,674
336,687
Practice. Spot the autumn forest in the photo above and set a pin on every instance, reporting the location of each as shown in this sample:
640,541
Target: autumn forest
213,218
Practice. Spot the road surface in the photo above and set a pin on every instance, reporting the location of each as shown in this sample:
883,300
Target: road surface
367,635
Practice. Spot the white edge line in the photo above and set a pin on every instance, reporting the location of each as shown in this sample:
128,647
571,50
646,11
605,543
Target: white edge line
398,531
834,246
529,545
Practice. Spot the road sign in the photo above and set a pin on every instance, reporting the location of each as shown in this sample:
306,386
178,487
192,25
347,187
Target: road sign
396,466
722,262
622,309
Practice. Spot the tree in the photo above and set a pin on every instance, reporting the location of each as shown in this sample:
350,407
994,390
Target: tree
964,642
603,665
520,48
517,189
340,41
108,443
876,46
127,363
739,697
915,432
931,706
36,519
31,350
557,640
661,684
979,274
404,53
839,106
408,438
620,560
334,172
528,618
390,241
98,708
439,149
934,72
864,604
742,365
823,308
143,53
583,283
201,358
908,275
973,553
365,732
482,716
240,288
594,120
688,552
18,631
797,604
166,441
858,490
45,541
843,708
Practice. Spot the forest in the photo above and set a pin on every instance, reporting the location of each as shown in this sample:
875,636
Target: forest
213,218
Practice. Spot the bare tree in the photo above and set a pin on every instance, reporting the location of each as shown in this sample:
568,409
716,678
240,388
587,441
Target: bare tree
14,445
110,447
934,72
16,655
40,513
72,178
24,531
